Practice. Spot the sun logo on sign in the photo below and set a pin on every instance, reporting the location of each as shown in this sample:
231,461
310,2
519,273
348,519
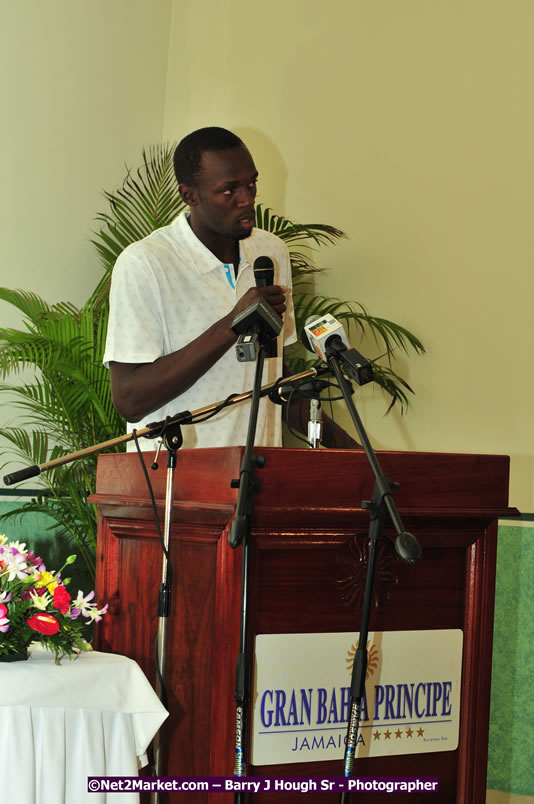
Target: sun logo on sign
354,558
373,657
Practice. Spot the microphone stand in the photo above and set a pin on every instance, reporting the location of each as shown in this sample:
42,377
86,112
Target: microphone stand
172,437
406,545
240,534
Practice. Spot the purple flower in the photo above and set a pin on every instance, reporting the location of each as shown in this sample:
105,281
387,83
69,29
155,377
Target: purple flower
33,591
36,561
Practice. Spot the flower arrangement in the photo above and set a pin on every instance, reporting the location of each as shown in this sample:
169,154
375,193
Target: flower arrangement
36,606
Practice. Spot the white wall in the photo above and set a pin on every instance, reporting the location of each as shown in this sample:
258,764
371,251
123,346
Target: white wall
410,126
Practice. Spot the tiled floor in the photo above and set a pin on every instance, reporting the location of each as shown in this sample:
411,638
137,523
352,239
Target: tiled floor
496,797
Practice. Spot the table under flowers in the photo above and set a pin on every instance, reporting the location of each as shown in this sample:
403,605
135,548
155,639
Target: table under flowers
93,716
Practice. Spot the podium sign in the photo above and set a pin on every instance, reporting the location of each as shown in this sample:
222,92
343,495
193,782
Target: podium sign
302,695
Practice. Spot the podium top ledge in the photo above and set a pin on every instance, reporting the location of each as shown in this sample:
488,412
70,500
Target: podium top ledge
328,478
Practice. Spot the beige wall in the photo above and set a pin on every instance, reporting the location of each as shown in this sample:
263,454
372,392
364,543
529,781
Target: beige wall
409,124
82,87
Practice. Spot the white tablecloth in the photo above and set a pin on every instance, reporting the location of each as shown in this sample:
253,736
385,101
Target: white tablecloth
94,716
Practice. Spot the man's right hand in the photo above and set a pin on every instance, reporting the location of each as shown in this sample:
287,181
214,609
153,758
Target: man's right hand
274,294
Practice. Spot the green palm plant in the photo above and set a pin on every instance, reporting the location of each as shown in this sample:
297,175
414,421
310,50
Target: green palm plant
146,200
64,408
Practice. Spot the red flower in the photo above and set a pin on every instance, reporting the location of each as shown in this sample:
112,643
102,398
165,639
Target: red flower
61,599
44,623
3,610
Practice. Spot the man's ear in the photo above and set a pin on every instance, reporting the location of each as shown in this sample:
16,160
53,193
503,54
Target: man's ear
188,194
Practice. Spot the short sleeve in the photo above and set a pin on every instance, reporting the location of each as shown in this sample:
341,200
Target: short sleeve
136,328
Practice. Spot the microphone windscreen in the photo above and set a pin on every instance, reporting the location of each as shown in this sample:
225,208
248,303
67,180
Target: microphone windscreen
305,340
263,272
304,335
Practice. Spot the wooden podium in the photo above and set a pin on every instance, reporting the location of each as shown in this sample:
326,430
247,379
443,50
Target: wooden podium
308,559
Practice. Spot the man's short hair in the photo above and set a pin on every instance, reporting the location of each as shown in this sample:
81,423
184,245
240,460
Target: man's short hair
188,152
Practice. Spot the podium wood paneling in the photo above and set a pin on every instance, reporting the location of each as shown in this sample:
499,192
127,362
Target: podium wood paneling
308,562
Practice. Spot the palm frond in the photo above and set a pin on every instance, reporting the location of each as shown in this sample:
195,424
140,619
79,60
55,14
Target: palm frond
29,304
393,386
388,336
312,235
321,234
147,199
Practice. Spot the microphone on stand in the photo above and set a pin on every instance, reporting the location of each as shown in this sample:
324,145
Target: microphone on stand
264,275
281,395
325,336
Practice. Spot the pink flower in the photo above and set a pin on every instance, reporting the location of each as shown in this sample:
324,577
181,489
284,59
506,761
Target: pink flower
4,621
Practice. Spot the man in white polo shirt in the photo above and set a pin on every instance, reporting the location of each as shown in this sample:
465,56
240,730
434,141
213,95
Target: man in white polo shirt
175,293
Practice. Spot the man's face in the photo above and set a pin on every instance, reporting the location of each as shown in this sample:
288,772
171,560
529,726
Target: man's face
222,200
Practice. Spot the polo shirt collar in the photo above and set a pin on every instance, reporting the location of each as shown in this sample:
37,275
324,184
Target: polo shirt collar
202,258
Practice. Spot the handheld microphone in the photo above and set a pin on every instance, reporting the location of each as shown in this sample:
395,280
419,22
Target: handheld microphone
325,336
264,275
263,272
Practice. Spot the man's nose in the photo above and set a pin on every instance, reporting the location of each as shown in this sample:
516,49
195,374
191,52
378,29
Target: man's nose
245,197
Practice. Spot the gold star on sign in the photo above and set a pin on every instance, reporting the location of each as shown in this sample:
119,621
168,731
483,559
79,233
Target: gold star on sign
398,734
409,732
387,735
376,735
420,732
